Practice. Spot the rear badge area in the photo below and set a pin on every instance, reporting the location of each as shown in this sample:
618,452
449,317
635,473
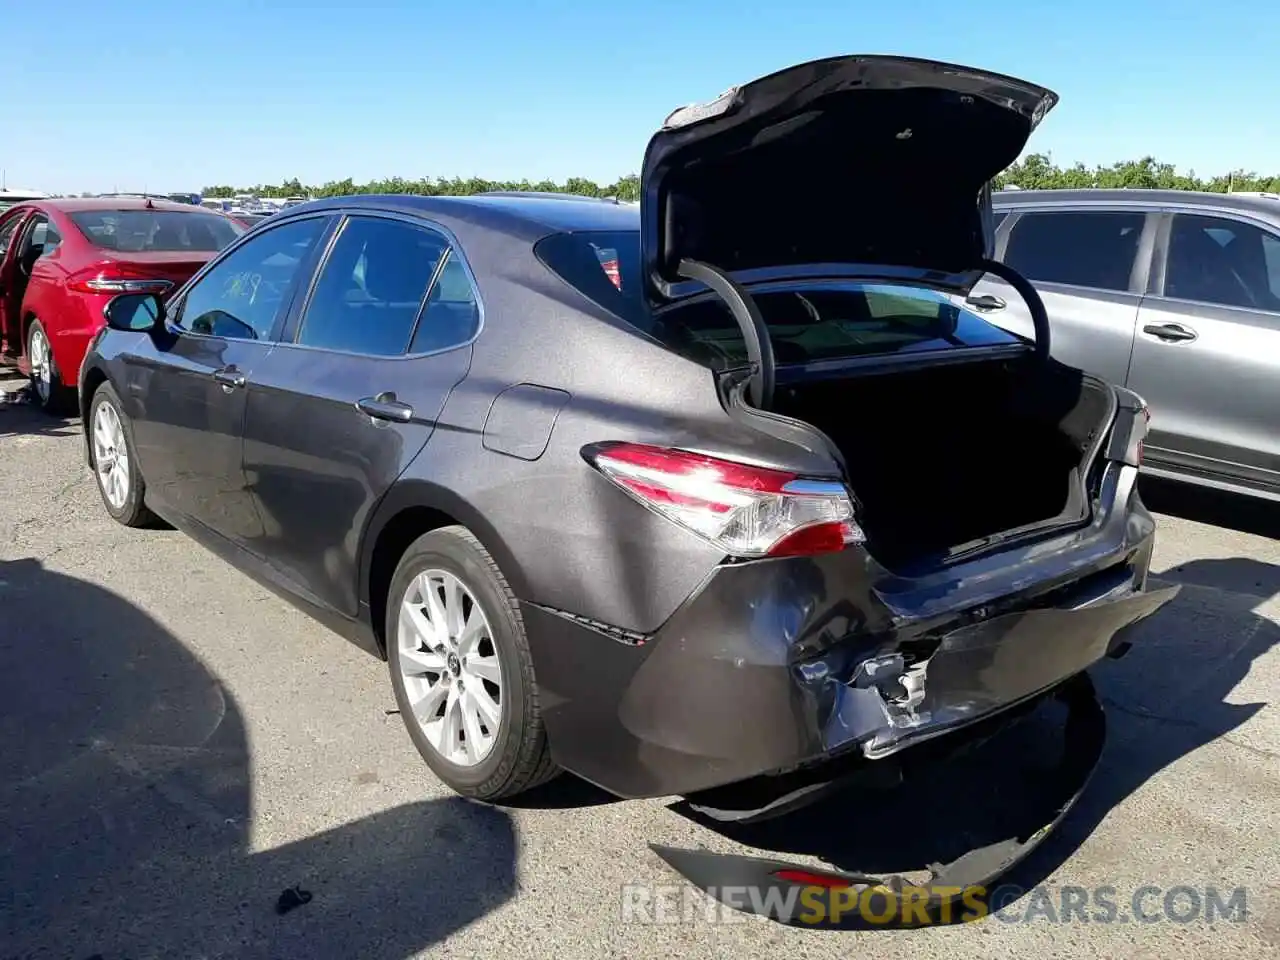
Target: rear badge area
923,851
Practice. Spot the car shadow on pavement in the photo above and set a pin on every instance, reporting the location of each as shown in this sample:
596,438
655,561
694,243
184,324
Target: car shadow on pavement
18,416
1165,699
565,792
126,800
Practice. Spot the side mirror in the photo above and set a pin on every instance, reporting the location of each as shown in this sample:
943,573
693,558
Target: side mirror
137,312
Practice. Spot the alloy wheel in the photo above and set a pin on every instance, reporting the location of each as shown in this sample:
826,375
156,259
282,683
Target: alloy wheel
449,664
111,455
41,360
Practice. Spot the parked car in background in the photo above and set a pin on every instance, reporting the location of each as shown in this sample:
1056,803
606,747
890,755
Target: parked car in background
766,507
1173,294
62,260
250,219
9,197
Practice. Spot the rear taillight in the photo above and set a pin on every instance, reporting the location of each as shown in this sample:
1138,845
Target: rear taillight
1137,439
1129,432
117,279
611,271
744,510
1146,425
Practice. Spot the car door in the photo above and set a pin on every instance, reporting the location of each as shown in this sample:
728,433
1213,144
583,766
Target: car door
186,386
11,290
1207,355
352,394
1089,267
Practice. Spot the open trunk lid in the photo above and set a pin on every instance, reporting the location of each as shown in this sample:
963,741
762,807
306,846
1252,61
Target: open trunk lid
858,166
857,160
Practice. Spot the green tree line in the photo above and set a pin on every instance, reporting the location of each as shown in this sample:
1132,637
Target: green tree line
1035,171
626,188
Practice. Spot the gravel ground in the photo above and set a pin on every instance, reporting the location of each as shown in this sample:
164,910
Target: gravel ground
178,746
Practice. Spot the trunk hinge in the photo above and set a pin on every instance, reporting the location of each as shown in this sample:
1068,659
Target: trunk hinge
1039,316
754,330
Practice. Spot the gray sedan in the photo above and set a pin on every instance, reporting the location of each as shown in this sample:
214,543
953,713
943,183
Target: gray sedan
1173,294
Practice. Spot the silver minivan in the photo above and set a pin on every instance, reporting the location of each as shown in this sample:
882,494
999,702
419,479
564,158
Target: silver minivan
1173,294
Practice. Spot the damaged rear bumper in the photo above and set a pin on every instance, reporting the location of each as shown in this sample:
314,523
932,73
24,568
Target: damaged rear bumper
778,672
921,891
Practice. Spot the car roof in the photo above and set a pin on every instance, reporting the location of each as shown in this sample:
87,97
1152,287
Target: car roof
507,211
1254,203
88,204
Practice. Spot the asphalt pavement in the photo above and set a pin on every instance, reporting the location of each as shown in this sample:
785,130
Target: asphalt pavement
179,747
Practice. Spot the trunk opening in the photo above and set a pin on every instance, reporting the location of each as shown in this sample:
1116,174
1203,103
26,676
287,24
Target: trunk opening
943,457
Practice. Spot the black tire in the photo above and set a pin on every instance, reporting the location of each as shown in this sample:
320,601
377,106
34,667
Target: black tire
519,759
133,512
52,397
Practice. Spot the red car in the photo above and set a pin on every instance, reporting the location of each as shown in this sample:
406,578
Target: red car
61,261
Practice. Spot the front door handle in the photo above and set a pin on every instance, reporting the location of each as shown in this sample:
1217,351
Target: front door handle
385,406
230,378
1171,332
986,301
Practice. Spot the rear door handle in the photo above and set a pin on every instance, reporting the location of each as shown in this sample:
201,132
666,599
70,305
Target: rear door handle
385,406
1172,332
229,377
986,301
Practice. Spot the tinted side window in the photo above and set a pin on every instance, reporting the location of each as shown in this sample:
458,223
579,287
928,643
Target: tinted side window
45,236
452,313
371,287
1225,262
7,229
242,296
1084,249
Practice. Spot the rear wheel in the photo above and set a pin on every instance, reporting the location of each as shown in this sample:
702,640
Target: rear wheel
461,668
47,391
115,466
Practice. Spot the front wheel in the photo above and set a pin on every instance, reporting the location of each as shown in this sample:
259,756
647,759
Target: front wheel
461,668
46,391
115,465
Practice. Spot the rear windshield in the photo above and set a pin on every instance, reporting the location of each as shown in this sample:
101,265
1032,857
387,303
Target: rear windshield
156,231
820,322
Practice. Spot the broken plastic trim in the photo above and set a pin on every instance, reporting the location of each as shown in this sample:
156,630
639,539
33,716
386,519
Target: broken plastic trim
754,330
718,875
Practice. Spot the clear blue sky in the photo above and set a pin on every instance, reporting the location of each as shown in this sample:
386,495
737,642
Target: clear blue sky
180,95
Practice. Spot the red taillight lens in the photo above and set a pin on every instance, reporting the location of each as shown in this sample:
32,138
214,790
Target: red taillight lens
810,878
747,511
1141,426
117,279
611,271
